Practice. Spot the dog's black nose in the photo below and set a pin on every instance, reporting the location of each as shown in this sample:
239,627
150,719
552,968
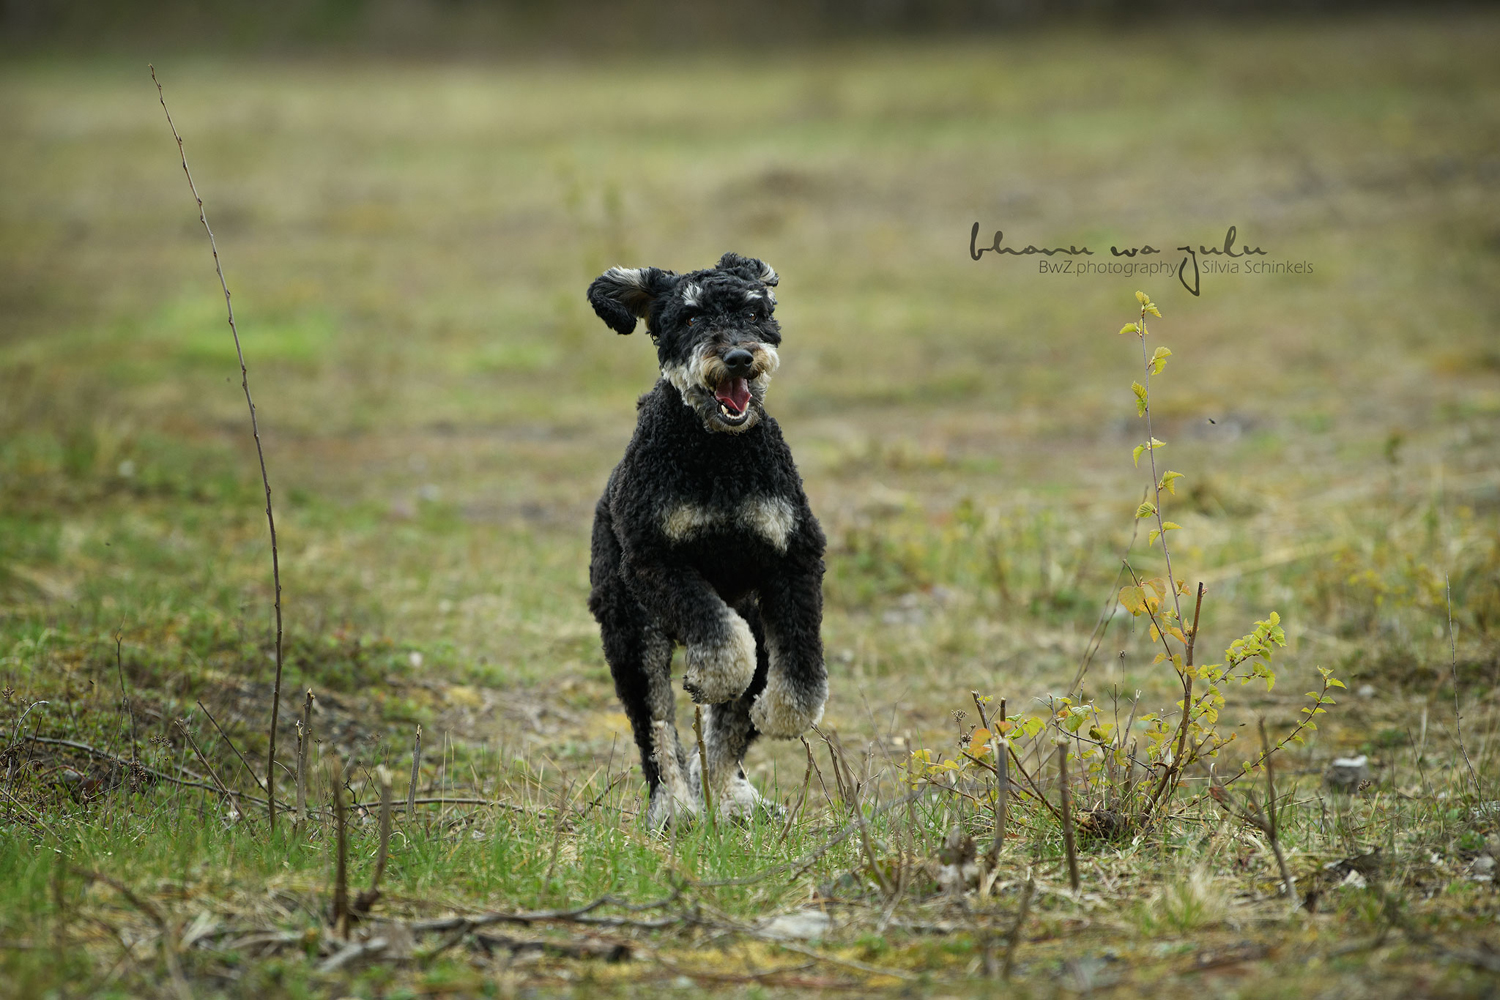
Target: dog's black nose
739,361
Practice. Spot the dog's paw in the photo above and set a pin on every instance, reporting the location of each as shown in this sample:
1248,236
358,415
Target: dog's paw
670,808
673,800
734,798
720,672
786,710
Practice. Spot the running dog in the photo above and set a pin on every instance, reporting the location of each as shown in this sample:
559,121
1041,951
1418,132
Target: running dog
704,538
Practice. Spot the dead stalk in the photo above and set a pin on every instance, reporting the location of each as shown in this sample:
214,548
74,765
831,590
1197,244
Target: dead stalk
225,737
1067,814
416,766
368,898
304,751
341,836
703,782
1271,826
1002,796
218,782
802,799
259,451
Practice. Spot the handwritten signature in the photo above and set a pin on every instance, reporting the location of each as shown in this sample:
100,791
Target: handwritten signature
1227,250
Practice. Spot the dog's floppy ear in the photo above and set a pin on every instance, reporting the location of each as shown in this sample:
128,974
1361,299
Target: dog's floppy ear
622,295
748,268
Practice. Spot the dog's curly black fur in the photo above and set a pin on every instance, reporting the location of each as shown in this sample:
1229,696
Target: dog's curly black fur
704,537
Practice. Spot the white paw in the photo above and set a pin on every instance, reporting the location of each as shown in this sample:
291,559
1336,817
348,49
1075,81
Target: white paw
786,712
669,808
721,672
735,798
672,800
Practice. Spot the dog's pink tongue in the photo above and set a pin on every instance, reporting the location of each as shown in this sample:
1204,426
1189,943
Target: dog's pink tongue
734,393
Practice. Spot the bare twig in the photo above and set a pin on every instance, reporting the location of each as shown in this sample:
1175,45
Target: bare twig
223,789
368,898
1067,814
1107,615
304,751
806,786
351,952
1271,826
703,782
416,765
259,451
341,836
579,915
225,737
1034,789
1002,795
122,762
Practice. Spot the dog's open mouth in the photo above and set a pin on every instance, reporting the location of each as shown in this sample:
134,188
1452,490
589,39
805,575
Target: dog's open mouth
733,395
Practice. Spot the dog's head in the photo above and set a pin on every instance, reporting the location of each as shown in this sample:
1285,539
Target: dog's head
715,334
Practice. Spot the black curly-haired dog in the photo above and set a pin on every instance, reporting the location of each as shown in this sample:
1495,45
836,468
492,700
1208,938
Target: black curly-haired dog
704,537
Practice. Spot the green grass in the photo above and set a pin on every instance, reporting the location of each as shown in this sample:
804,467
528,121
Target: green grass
408,246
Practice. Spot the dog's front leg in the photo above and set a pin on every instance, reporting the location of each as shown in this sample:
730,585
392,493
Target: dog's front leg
791,607
720,646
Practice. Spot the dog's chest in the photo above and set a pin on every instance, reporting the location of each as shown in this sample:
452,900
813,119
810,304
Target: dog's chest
771,519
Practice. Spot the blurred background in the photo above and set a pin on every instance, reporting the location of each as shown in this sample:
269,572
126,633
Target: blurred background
410,199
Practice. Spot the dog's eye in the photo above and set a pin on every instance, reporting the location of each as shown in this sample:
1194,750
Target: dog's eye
692,320
754,315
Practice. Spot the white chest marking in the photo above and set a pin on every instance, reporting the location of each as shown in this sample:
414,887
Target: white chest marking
772,518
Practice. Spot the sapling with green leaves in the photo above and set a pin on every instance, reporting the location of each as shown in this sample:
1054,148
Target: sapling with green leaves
1134,783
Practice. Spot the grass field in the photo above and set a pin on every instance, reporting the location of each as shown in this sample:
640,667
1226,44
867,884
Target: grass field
408,246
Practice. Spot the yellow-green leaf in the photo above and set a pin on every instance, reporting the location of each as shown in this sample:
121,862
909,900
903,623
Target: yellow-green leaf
1130,328
1169,482
1145,510
1134,599
1136,454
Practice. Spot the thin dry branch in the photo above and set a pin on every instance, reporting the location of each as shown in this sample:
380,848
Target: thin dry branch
259,452
230,743
341,863
1067,814
416,765
367,899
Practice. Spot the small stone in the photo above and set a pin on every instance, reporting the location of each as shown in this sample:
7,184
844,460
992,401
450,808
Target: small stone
803,925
